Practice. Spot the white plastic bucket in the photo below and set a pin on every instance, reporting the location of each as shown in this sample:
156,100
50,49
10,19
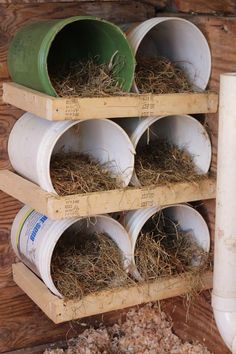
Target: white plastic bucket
34,237
182,130
178,40
187,217
34,140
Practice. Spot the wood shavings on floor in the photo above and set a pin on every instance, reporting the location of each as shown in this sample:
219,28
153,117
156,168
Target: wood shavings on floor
146,330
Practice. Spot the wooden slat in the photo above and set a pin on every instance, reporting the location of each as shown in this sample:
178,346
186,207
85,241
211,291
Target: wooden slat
59,311
89,204
23,190
134,105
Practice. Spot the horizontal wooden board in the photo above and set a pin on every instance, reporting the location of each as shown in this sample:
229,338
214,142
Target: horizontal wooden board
205,6
61,311
88,204
133,105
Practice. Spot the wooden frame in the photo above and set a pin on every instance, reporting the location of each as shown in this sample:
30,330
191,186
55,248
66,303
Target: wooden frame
130,105
88,204
61,311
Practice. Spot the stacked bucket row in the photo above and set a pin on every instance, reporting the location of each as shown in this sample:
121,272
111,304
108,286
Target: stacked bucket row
39,51
36,240
34,142
34,54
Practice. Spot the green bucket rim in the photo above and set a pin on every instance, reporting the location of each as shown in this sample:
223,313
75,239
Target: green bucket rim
51,35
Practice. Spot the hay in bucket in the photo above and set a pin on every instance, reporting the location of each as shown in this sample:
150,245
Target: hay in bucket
161,162
159,76
89,78
86,263
164,250
76,173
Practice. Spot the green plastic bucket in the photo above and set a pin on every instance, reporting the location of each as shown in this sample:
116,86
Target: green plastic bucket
41,46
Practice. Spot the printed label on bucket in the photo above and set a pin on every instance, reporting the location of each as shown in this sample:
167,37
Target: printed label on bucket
29,229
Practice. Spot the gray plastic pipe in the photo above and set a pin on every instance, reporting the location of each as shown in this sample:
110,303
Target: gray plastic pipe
224,282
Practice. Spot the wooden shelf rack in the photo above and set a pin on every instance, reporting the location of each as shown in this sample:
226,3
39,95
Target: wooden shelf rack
59,310
88,204
56,207
130,105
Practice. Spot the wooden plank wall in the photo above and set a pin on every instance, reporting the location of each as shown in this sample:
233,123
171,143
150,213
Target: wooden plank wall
22,325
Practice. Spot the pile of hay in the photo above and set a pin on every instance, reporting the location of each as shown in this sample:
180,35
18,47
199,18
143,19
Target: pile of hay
146,330
164,250
160,75
75,173
88,78
85,263
160,162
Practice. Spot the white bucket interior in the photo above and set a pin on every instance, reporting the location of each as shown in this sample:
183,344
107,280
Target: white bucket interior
33,141
99,224
188,219
36,252
105,141
181,130
178,40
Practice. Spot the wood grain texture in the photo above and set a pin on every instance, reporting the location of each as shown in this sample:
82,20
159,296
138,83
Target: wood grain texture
89,204
39,349
159,4
135,105
219,32
205,6
199,325
22,323
103,301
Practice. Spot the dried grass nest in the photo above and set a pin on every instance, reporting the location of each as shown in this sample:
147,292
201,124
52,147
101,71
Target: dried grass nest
163,249
84,263
160,76
161,162
91,78
76,173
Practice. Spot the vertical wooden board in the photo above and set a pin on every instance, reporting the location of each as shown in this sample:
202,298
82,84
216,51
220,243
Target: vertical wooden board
9,207
8,210
22,324
8,116
219,32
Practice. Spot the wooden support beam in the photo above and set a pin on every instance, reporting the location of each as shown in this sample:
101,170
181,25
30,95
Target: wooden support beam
130,105
88,204
59,310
